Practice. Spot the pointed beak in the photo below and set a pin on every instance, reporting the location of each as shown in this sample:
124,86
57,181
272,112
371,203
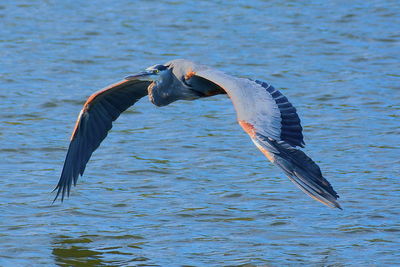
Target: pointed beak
147,75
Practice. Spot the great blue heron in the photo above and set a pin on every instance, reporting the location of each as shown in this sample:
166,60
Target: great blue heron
263,112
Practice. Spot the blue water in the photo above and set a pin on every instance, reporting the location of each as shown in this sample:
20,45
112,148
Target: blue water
183,184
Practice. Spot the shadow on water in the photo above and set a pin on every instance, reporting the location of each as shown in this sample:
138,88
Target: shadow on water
83,251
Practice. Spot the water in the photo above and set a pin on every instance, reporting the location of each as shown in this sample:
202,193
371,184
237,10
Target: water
183,184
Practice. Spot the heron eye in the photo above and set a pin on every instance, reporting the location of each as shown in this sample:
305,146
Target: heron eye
156,71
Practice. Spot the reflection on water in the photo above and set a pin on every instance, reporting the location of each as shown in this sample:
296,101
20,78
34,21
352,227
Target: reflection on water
75,255
182,184
69,251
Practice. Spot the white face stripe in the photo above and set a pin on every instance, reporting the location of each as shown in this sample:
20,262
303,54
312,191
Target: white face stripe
152,67
156,75
158,67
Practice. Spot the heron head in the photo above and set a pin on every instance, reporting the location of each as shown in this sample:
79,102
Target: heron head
171,82
160,77
152,73
168,84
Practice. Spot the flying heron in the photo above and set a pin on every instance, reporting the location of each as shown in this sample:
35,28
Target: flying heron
263,112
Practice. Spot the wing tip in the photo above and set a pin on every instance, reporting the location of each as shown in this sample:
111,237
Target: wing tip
62,190
300,169
333,204
59,189
327,199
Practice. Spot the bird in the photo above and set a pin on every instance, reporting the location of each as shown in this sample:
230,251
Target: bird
263,112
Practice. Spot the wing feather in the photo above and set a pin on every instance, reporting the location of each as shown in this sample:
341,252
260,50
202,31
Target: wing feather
300,169
275,127
92,126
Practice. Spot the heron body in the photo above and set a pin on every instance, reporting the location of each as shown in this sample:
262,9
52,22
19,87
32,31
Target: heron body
262,111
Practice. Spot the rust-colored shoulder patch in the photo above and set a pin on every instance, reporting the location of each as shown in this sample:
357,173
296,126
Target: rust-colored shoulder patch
189,75
102,91
248,128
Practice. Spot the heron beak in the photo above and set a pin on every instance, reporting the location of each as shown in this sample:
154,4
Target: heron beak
147,75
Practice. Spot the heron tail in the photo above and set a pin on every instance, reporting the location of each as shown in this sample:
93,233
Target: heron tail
300,169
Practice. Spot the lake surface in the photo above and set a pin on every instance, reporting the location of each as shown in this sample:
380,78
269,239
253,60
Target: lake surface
183,184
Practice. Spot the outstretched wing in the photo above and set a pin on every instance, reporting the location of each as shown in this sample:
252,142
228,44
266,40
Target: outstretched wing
93,123
274,126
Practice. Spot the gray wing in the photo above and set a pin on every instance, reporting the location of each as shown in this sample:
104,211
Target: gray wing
93,123
274,126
